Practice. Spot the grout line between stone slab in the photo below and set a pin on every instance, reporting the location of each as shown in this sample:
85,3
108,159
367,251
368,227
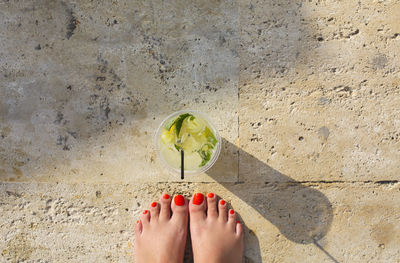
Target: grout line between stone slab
381,182
236,142
238,92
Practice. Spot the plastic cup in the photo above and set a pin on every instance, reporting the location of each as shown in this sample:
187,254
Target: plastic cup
214,156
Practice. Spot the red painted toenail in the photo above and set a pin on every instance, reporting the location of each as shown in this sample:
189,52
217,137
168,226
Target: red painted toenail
238,222
166,196
137,222
222,202
210,195
145,212
231,212
154,204
179,200
198,198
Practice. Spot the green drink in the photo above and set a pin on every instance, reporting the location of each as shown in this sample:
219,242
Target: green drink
193,133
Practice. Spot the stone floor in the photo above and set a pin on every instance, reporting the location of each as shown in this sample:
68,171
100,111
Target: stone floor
306,95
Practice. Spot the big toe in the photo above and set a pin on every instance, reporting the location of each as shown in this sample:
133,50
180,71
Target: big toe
179,209
197,207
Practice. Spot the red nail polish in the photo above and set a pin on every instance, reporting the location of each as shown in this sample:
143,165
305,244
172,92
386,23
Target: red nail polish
166,196
154,204
137,222
238,222
198,198
222,202
179,200
231,212
210,195
145,212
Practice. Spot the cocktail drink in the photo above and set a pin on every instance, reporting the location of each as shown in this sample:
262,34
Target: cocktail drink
192,132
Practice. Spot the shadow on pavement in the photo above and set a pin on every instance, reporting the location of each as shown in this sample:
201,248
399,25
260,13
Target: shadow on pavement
301,213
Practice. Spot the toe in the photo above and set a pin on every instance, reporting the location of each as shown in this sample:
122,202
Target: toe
138,229
165,207
180,209
239,229
154,211
197,207
232,219
239,234
145,218
222,211
212,211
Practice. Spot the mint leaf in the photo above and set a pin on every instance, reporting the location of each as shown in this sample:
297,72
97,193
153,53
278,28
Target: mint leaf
206,156
179,122
177,147
168,127
202,154
211,137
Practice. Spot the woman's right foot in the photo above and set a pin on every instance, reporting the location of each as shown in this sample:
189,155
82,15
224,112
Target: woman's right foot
216,235
159,235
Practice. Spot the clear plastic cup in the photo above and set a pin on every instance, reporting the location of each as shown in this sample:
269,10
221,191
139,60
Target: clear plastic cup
214,156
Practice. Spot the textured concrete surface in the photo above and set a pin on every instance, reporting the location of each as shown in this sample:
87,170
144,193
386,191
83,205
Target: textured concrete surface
353,222
320,90
98,80
306,95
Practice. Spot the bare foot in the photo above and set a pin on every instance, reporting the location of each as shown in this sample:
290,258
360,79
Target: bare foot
216,235
160,236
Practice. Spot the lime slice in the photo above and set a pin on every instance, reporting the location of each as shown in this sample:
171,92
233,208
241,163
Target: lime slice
200,137
194,125
168,137
190,144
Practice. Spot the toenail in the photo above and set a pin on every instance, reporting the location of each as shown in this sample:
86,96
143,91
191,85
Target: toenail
231,212
210,195
154,204
144,212
222,202
179,200
166,196
137,222
238,222
198,198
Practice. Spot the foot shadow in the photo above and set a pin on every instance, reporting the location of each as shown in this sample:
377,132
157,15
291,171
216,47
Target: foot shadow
301,213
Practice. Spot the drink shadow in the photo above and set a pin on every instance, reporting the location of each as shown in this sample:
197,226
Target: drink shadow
300,212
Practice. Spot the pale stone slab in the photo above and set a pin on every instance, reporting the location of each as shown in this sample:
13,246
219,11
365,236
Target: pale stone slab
319,90
284,222
85,86
339,222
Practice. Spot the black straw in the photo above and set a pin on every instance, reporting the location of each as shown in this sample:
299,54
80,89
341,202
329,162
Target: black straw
182,167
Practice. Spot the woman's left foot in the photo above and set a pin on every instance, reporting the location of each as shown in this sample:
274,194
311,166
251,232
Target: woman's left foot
217,236
160,235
